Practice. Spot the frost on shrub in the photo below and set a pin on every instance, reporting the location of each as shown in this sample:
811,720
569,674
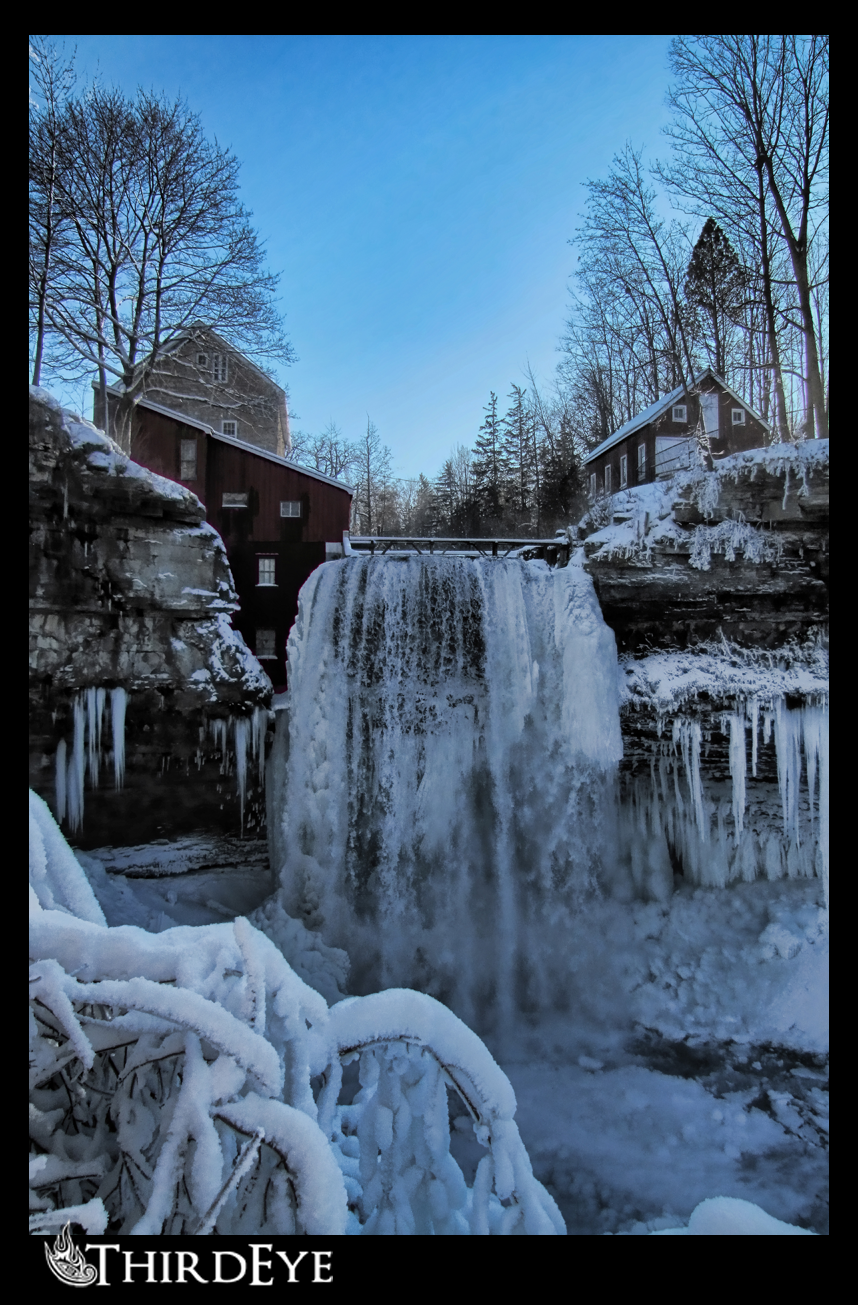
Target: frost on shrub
171,1087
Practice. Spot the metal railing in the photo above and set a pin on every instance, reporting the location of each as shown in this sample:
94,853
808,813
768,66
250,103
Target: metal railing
554,551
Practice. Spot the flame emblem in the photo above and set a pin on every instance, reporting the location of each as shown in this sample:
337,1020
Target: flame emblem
66,1261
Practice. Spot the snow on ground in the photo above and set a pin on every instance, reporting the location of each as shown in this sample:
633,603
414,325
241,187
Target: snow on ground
690,1063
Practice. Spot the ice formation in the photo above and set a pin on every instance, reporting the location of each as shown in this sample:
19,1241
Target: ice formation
192,1054
452,730
248,740
238,738
665,820
87,750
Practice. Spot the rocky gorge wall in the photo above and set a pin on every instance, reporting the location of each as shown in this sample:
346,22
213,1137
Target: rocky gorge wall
146,707
716,586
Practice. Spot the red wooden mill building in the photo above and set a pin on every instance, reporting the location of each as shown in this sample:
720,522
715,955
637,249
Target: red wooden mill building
278,520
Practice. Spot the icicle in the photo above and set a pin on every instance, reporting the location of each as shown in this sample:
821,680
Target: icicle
788,746
95,700
754,708
259,727
118,704
811,720
738,771
688,734
241,732
823,799
76,768
220,733
815,739
60,781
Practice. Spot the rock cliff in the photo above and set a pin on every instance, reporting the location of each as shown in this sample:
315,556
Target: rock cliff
740,552
130,602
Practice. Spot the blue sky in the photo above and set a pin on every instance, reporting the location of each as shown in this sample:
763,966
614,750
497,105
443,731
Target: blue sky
417,194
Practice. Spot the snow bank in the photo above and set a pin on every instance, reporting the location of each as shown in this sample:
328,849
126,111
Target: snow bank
726,1216
185,1044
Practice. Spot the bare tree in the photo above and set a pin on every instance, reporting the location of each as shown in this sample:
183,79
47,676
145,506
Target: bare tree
630,338
156,240
750,135
373,463
328,452
53,79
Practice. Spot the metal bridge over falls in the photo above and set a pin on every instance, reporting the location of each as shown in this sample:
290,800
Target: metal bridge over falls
554,551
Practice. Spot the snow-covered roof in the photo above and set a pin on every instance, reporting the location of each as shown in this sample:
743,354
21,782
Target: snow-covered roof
241,444
661,405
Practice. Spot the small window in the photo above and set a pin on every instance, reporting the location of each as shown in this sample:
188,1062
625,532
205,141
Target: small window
290,508
235,500
230,428
738,416
188,457
680,412
266,644
219,368
267,569
607,480
593,485
202,360
624,471
641,462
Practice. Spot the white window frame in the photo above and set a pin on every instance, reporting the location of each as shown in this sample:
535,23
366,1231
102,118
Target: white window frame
258,640
233,434
641,462
220,368
188,459
679,412
232,500
738,418
288,508
624,470
266,565
608,478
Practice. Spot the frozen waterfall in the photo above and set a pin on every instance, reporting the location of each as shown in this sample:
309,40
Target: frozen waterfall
442,770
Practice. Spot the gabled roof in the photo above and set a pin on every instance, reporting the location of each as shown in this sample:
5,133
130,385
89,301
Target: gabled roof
200,328
241,444
661,405
193,332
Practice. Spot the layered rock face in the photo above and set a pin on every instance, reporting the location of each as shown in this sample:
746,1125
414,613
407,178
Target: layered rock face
130,598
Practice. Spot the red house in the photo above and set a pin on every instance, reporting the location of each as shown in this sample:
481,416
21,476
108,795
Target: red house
278,520
663,438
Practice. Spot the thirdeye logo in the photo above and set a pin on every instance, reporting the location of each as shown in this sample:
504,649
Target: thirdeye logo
66,1262
254,1268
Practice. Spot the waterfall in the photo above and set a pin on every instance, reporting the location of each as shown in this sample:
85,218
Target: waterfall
453,728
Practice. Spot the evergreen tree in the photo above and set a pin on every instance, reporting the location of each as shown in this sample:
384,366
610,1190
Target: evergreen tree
562,498
715,282
519,449
422,520
489,467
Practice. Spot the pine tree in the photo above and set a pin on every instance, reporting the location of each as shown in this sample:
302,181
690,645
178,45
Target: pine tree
520,456
489,467
716,281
